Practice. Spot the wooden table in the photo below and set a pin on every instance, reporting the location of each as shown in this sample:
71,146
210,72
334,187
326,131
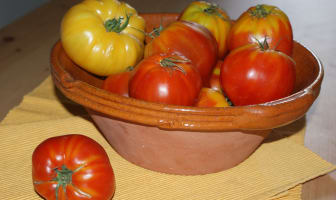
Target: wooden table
25,47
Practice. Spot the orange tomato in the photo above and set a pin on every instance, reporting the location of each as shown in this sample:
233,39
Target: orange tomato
261,24
211,98
189,40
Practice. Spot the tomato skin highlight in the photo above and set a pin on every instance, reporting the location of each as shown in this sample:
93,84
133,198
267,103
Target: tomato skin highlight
259,23
170,85
189,40
213,18
250,75
91,172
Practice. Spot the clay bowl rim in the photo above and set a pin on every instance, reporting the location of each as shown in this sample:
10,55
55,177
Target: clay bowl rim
187,118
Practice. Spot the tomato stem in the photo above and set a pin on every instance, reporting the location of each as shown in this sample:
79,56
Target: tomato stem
115,25
260,12
171,63
155,32
64,178
263,45
213,10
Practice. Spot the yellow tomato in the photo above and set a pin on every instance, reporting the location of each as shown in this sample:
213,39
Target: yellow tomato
213,18
103,36
209,97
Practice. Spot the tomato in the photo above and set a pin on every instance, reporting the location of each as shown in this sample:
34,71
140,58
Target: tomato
215,77
253,74
213,18
72,167
211,98
190,40
260,23
103,37
118,83
166,79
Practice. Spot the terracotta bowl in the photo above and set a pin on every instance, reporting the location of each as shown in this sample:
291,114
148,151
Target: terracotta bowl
184,140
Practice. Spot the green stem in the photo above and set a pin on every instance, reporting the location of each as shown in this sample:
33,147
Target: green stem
64,178
171,63
260,12
263,45
213,10
116,25
155,32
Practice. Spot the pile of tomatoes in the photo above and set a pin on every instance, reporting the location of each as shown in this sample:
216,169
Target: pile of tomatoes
202,59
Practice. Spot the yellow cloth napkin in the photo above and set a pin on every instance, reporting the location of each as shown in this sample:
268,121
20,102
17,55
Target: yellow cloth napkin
275,171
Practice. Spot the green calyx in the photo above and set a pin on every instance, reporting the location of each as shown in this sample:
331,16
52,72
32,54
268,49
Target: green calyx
172,63
63,179
155,32
260,11
117,25
263,45
213,10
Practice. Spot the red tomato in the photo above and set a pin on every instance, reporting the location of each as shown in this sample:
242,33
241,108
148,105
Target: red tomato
260,23
214,79
213,18
211,98
253,75
190,40
166,79
72,167
118,83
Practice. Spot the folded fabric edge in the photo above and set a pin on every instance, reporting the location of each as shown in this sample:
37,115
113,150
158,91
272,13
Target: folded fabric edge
274,193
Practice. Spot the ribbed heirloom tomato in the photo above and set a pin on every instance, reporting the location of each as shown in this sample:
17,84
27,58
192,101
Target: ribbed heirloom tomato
253,74
213,18
103,37
72,167
168,79
260,23
190,40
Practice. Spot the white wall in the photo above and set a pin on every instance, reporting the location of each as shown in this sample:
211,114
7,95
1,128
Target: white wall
10,10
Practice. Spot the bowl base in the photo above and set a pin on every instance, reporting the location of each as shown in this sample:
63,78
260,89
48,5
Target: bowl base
178,152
